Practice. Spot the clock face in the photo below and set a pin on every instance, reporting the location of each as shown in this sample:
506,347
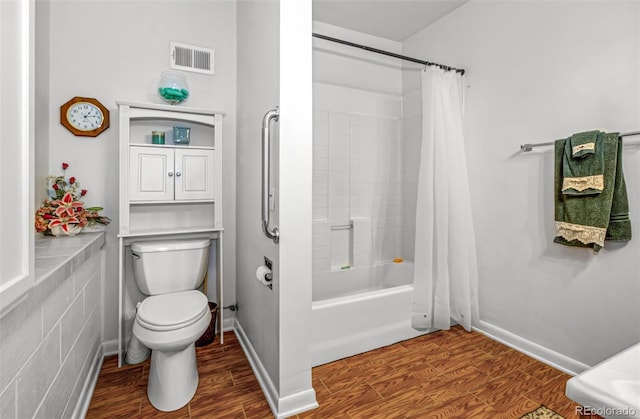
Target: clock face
85,116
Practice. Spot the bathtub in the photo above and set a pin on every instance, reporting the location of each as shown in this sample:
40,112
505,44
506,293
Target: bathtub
360,309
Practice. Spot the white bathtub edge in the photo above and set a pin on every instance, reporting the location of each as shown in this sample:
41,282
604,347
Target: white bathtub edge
532,349
358,320
331,350
361,296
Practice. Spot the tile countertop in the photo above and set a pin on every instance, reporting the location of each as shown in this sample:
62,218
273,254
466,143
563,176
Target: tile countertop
57,257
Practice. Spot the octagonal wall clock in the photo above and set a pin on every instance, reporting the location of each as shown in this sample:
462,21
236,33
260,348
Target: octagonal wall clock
84,116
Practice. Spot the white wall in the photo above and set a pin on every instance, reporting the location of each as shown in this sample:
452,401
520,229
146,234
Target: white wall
258,91
115,50
295,203
273,325
42,116
539,71
357,68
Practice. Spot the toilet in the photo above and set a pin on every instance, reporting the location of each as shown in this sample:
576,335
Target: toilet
173,317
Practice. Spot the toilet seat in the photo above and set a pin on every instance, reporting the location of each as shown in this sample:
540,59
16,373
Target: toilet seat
172,311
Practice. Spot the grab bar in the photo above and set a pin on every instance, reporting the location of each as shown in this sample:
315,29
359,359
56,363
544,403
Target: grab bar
271,233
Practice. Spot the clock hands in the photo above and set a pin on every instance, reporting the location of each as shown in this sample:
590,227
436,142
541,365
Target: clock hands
84,116
87,116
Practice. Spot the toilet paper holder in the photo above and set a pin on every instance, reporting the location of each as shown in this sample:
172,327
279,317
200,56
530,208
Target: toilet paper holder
264,275
269,264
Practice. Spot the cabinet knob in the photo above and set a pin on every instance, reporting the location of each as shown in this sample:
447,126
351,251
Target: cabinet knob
178,173
170,174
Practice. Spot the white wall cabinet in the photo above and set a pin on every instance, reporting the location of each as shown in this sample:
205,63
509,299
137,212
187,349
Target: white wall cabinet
168,191
167,174
167,188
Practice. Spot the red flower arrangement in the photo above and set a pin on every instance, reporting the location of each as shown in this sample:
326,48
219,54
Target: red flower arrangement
64,213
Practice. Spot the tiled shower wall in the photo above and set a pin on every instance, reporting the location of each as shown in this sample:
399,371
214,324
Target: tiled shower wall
357,177
411,148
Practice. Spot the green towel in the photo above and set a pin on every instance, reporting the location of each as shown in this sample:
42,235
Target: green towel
583,175
619,228
589,220
583,144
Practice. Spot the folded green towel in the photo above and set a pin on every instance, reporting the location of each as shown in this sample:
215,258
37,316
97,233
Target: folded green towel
619,228
583,175
589,220
583,144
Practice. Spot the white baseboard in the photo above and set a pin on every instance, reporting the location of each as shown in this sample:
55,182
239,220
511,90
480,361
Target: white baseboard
259,370
228,323
89,385
532,349
282,407
297,403
110,347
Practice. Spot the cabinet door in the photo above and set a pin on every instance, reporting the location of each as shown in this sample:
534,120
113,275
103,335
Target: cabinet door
194,174
151,174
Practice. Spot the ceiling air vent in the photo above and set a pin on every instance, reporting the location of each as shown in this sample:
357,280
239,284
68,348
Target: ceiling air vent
191,58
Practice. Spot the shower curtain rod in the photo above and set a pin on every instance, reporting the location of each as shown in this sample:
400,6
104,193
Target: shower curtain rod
390,54
528,147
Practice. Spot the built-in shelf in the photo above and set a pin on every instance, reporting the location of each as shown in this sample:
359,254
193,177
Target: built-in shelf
186,147
173,202
160,232
142,108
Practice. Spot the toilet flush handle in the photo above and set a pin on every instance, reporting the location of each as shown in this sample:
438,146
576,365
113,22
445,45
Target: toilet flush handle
135,255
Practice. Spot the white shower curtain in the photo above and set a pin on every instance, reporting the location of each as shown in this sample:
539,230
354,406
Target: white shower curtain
445,272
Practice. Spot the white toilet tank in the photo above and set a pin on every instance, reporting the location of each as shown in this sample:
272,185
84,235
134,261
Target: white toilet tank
161,267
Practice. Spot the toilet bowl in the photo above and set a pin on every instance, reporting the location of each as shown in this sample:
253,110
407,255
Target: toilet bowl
169,325
173,317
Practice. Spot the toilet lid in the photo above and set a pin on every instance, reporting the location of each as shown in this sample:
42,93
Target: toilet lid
172,311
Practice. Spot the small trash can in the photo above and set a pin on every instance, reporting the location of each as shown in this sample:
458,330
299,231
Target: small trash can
210,334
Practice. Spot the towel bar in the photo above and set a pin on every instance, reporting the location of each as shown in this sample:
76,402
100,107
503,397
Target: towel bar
529,146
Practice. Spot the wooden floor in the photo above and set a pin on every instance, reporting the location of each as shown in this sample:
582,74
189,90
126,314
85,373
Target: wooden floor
447,374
